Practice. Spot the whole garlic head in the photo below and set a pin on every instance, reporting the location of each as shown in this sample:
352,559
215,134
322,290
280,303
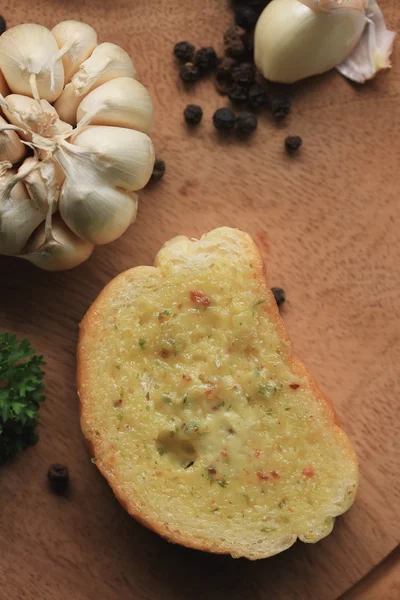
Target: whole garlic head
74,144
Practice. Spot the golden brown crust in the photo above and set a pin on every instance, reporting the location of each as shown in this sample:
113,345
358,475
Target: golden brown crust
88,325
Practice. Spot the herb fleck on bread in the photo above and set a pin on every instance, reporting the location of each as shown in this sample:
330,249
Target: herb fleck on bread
206,427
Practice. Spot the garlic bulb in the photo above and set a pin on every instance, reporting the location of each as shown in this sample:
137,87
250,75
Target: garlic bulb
61,251
76,41
44,184
63,189
34,117
18,217
107,62
11,147
295,39
27,61
124,156
123,102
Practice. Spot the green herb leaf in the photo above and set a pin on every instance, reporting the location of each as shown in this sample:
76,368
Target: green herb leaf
142,343
222,482
21,390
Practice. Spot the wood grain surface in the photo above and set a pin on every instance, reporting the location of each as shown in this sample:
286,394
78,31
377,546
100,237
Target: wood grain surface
327,223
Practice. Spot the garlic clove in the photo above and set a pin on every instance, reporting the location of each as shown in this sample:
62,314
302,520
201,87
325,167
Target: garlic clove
33,117
76,41
18,217
373,50
293,40
11,147
43,183
27,61
124,157
4,89
122,102
64,250
108,61
96,211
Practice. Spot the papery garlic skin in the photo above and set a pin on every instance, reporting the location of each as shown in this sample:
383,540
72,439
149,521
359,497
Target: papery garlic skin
122,102
374,49
78,40
63,251
107,62
11,147
18,217
124,157
27,61
96,211
25,112
44,184
292,41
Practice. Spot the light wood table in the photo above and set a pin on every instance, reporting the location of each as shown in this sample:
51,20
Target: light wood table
328,225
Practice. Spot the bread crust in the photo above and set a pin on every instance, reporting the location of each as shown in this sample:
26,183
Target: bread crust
88,325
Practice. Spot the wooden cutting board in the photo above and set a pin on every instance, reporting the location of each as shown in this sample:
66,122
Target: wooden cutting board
327,222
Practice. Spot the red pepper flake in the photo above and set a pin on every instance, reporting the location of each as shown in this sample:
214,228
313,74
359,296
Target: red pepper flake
164,353
308,472
257,453
200,298
186,377
180,306
224,452
294,386
212,471
275,474
262,476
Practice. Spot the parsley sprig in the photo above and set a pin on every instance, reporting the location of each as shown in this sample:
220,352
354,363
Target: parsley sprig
21,390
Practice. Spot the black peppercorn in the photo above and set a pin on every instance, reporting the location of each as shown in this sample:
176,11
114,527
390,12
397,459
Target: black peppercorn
246,16
184,51
224,119
189,72
193,114
244,73
225,68
3,25
279,294
58,478
234,43
293,143
158,170
257,96
238,93
206,59
280,108
246,123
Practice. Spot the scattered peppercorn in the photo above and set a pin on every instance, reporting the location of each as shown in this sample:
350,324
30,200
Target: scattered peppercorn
193,114
189,72
246,16
234,44
246,123
224,119
158,170
223,78
257,96
58,478
280,108
238,93
279,294
206,59
3,24
184,51
293,143
244,73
